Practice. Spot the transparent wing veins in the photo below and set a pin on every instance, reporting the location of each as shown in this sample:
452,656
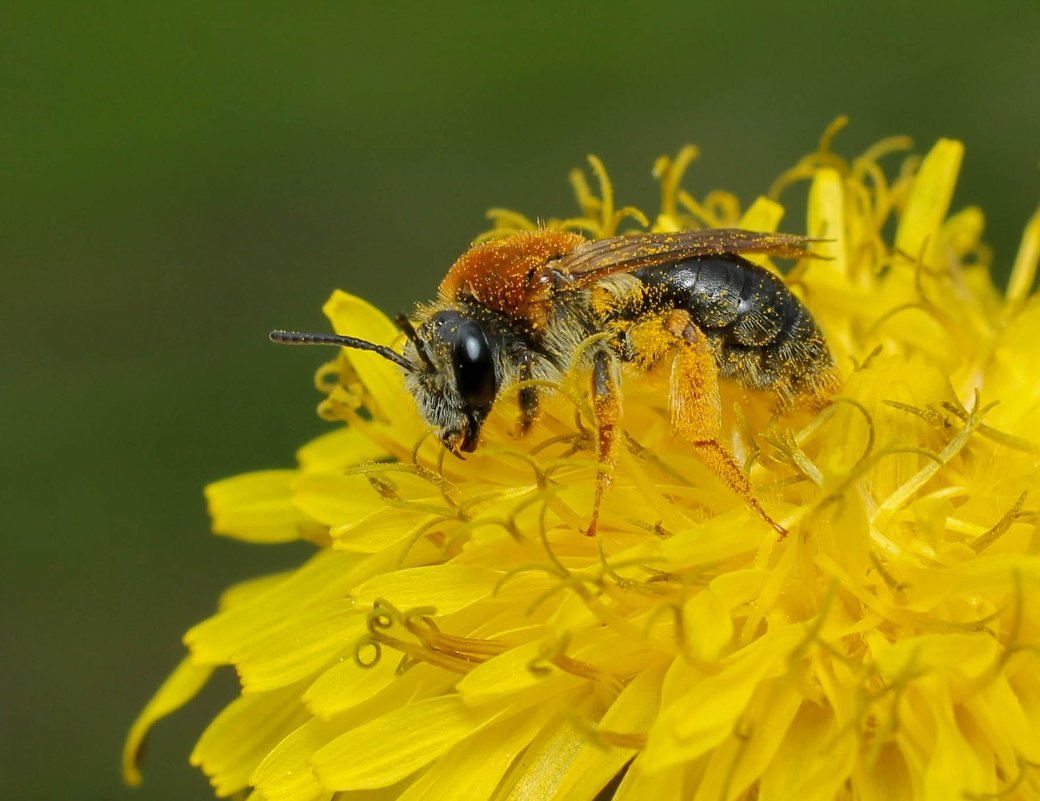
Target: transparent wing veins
591,261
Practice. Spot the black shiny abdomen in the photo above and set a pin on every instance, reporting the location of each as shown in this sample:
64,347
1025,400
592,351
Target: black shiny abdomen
761,333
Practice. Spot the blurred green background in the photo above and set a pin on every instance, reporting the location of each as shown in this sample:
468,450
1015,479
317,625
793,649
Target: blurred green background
177,179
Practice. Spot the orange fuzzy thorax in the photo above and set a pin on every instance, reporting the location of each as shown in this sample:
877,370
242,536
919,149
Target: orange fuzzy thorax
506,275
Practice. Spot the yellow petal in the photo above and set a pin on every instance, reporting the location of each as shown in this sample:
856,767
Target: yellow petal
326,576
668,784
346,684
955,768
738,763
387,749
764,214
180,687
1006,722
739,586
1023,272
1014,369
245,591
887,778
929,201
379,529
449,588
473,769
965,655
256,507
704,715
335,499
999,573
962,232
718,539
812,762
707,626
352,316
596,763
242,735
537,773
337,450
509,674
827,219
299,645
286,773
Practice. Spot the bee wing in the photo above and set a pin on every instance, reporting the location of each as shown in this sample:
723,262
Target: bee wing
599,258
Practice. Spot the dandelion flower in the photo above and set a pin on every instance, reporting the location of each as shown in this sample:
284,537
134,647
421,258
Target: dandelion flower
456,635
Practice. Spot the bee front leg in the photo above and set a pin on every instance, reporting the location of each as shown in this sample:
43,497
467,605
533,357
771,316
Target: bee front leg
527,397
606,405
696,410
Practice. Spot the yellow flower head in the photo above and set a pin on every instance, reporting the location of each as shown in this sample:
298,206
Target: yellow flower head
457,635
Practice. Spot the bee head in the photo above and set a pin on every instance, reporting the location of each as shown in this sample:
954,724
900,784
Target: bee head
454,381
449,369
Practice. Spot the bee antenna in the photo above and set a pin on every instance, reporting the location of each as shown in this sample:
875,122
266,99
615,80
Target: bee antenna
409,331
296,338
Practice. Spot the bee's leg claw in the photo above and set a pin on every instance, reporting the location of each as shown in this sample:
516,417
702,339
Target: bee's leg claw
721,462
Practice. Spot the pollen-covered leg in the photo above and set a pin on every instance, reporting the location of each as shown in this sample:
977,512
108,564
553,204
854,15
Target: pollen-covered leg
697,410
606,404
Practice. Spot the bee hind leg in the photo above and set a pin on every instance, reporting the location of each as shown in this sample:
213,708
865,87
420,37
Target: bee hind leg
696,409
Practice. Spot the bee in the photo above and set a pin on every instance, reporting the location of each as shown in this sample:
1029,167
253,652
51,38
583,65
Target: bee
524,306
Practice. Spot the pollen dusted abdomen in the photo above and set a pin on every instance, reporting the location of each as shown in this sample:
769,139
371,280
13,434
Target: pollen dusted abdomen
762,336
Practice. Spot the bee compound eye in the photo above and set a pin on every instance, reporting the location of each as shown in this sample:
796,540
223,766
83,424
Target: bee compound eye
474,367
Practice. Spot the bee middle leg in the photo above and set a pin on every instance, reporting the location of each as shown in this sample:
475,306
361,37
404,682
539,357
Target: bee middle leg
693,398
606,405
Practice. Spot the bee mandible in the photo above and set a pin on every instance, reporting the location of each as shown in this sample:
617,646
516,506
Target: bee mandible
521,307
